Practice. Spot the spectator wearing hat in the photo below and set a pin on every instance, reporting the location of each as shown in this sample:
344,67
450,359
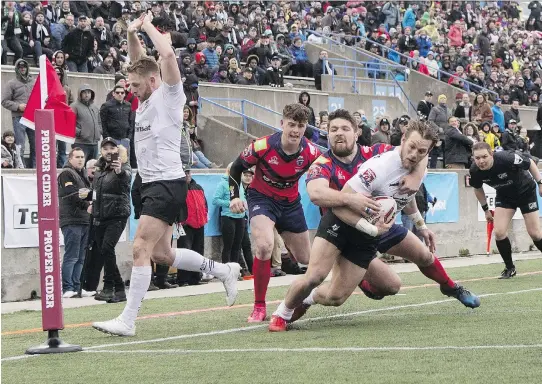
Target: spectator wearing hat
258,72
519,92
301,65
330,19
221,76
110,210
509,138
409,19
425,105
247,78
439,113
399,130
432,64
383,133
498,114
15,95
200,67
211,57
41,35
512,113
106,66
391,12
211,27
78,45
486,134
424,44
284,52
118,118
263,50
274,76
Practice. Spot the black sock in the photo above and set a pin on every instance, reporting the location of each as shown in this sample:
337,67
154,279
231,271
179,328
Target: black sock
538,244
505,249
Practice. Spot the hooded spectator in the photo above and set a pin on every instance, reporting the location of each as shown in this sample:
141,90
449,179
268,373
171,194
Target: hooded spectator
383,133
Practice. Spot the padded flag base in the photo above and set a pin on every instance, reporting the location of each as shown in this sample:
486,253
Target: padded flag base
53,345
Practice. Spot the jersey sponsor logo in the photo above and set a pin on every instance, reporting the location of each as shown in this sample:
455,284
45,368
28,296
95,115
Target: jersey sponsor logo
502,176
314,172
256,207
367,177
518,159
312,149
333,230
300,161
247,152
340,175
260,145
533,205
274,160
277,184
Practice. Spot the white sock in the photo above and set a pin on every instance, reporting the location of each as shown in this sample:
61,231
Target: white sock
284,312
139,284
192,261
309,300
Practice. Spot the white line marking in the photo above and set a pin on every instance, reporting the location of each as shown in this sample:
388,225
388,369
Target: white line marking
242,329
12,358
303,350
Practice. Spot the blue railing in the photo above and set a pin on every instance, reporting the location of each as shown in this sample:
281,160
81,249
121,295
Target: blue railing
329,40
245,117
369,69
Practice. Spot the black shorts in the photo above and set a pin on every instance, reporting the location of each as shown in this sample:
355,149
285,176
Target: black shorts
527,202
164,199
354,245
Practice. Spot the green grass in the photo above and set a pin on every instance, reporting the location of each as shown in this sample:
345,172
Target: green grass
501,320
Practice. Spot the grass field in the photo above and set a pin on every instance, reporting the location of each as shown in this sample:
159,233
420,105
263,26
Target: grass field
417,337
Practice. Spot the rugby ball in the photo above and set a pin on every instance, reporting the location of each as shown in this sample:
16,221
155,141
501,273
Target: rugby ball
387,210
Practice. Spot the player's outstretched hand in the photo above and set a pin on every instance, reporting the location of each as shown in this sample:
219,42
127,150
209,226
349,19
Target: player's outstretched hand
237,206
135,25
382,226
489,216
363,205
430,239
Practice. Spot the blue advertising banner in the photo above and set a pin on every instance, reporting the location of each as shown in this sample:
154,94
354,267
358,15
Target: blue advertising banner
444,186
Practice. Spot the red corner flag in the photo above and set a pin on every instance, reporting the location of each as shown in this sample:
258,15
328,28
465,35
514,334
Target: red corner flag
53,97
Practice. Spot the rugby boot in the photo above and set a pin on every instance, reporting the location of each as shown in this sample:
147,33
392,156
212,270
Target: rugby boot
277,324
508,273
299,312
364,286
466,298
258,315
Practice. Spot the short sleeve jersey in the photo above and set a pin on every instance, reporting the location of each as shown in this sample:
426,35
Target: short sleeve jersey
157,134
509,175
328,167
277,173
381,176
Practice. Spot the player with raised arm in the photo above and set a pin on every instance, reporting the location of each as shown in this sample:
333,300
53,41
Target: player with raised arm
516,179
273,197
328,175
157,144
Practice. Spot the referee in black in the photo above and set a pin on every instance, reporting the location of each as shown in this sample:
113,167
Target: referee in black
517,181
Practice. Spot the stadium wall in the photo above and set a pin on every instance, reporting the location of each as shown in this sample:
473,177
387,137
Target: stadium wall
20,266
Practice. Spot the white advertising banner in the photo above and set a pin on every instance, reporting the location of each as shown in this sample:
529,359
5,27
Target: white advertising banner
20,209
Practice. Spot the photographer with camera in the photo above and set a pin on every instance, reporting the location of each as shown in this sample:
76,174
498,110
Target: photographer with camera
110,210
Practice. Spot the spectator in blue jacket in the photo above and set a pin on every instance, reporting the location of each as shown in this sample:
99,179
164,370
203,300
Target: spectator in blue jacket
424,43
232,225
498,114
211,57
301,66
409,20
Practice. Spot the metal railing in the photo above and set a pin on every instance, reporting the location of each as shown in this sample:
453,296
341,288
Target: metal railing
370,69
331,42
215,101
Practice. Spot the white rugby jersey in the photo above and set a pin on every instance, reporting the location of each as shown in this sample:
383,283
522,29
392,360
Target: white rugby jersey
157,134
381,176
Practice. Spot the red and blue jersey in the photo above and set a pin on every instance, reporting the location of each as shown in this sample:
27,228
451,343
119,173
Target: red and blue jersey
277,173
328,167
